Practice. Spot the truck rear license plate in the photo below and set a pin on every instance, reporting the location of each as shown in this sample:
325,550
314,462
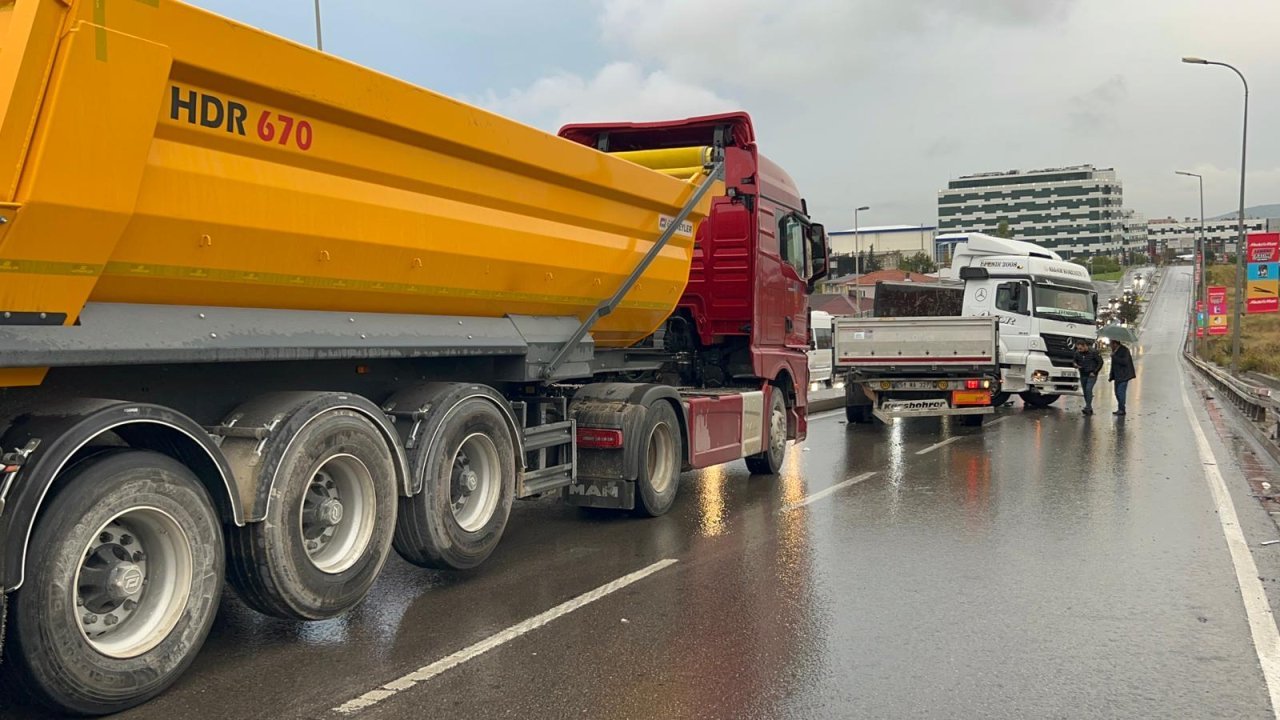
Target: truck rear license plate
915,385
913,406
970,397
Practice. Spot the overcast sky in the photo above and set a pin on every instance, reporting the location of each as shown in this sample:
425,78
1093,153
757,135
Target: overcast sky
865,102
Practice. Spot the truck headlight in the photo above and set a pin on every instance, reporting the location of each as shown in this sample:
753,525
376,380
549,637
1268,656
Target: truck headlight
1040,376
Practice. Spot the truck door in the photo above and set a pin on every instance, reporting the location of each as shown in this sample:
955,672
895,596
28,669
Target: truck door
796,268
1011,305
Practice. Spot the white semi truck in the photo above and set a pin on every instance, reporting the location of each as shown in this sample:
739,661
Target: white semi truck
1043,304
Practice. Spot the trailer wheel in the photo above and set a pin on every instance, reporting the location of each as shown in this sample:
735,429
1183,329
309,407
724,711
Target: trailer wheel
999,399
123,581
659,471
468,486
329,522
770,461
1038,400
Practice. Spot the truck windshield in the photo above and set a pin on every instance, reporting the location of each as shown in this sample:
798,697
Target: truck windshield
1067,304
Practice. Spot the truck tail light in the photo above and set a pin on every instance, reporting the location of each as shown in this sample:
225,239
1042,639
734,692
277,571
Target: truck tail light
599,438
972,384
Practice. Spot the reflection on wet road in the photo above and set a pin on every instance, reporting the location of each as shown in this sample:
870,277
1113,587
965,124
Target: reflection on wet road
1048,565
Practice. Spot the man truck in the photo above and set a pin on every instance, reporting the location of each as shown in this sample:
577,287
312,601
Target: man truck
268,315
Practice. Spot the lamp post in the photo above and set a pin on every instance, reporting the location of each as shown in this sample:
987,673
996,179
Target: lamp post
857,259
1201,290
319,35
1244,145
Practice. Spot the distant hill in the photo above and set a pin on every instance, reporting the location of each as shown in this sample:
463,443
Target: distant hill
1257,211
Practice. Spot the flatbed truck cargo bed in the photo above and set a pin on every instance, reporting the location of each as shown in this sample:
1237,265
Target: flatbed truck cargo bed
903,367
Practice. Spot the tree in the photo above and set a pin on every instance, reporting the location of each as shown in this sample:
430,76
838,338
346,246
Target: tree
1128,310
1002,229
873,262
918,263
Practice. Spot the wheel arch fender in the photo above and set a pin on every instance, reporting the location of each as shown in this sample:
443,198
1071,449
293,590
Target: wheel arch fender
622,406
46,442
784,382
259,434
426,408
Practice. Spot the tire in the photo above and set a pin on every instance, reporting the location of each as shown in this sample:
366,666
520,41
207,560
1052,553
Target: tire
999,399
329,522
770,461
858,414
76,645
442,527
972,420
1038,400
658,477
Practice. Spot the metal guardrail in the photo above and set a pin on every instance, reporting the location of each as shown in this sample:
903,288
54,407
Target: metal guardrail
1254,401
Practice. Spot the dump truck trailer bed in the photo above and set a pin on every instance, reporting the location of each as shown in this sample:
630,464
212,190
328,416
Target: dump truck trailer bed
266,316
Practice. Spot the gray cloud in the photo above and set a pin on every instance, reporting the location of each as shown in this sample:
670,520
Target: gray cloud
1097,109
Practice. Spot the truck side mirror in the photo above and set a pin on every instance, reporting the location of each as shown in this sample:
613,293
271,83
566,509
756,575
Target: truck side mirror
820,253
1023,298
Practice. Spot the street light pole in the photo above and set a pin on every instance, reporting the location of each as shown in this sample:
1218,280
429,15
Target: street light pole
1201,290
319,35
857,259
1240,241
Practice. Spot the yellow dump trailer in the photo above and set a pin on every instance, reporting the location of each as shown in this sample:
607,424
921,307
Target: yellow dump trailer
151,152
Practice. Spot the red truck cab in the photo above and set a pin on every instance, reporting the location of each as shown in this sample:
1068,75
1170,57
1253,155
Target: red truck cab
745,311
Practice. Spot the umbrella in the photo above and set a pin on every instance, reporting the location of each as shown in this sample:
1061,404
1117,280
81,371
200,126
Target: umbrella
1118,333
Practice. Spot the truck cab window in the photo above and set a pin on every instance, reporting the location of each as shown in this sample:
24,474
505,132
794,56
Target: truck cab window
792,244
1011,298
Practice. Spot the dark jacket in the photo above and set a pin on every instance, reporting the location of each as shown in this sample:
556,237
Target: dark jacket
1122,369
1089,362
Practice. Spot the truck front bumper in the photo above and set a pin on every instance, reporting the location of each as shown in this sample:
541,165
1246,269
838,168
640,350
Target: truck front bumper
1047,379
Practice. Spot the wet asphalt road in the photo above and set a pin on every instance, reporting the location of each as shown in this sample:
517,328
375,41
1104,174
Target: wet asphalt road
1049,565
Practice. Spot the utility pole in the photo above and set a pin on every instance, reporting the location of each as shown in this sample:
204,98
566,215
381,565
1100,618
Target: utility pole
1201,290
1240,241
319,34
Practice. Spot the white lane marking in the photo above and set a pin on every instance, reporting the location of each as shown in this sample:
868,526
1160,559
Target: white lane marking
373,697
937,445
825,414
997,421
1262,624
823,493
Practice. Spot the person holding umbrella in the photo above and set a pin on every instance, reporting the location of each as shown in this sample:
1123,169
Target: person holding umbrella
1122,369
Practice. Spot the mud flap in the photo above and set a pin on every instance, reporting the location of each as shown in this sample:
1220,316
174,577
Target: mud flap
607,493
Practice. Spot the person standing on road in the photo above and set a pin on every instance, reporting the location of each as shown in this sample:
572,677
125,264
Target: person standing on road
1122,371
1089,363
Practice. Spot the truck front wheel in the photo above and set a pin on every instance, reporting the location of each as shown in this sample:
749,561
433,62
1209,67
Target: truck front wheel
1038,400
122,585
770,461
